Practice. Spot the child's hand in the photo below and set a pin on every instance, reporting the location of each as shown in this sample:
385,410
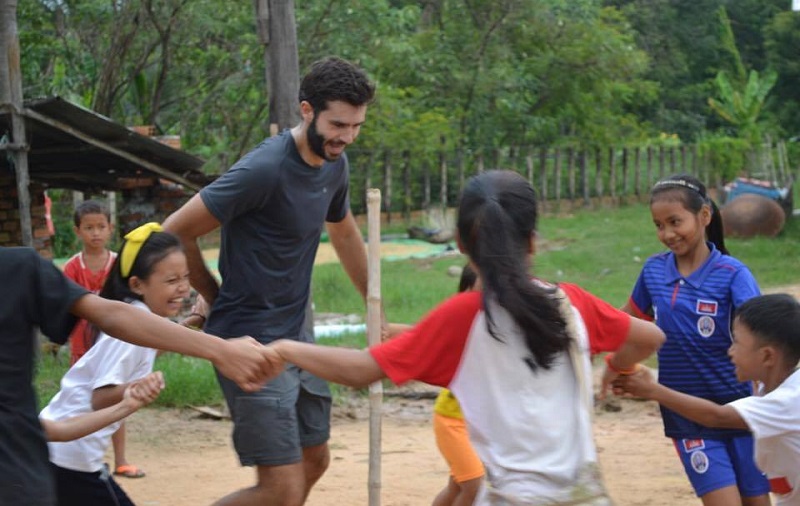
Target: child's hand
640,384
198,315
144,391
276,362
391,330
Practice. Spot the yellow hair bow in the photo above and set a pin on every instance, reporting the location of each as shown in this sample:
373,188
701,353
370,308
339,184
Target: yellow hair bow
133,243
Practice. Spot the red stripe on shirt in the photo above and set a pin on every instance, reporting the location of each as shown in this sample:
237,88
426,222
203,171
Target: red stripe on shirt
432,349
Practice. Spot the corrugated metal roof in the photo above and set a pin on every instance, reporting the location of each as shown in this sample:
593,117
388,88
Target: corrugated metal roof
73,147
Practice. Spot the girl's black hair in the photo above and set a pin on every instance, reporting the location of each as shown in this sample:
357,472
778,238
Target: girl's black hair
468,279
496,219
155,249
689,191
774,319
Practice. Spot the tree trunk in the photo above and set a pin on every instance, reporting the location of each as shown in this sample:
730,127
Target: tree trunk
277,30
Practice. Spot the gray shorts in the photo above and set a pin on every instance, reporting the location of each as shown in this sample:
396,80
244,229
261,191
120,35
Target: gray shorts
273,425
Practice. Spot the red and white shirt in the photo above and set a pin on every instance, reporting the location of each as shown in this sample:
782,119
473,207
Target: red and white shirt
529,426
76,270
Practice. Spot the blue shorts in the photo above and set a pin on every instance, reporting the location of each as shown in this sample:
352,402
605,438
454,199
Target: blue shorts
712,464
272,426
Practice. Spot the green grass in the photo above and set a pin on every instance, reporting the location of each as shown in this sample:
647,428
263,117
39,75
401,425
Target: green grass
49,371
602,250
190,381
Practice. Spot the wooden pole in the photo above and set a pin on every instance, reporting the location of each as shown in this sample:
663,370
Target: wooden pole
11,96
373,338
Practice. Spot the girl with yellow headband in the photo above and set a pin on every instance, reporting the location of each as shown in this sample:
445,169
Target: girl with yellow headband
150,273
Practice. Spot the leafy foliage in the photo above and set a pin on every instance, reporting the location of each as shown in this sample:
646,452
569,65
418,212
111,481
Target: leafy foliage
474,74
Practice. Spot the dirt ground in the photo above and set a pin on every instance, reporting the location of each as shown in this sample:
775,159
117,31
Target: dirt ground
190,461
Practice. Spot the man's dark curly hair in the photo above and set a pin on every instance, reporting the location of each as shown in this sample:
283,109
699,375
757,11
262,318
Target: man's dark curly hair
334,79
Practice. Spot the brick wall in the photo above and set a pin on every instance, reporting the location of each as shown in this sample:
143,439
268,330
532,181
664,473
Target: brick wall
10,230
149,203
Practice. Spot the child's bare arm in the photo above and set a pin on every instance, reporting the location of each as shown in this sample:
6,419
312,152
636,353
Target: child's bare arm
108,395
702,411
137,395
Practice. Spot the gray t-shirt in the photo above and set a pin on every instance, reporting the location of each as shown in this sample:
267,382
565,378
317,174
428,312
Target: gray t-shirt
272,207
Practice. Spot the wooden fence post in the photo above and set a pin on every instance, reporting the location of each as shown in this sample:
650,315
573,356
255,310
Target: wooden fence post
637,171
443,176
571,172
584,179
407,186
426,185
557,170
460,162
543,173
368,175
625,186
387,185
683,158
598,173
612,172
529,166
661,156
672,160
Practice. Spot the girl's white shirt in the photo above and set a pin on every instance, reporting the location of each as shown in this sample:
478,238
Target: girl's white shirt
108,362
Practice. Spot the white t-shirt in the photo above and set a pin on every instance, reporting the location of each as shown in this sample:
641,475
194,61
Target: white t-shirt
109,362
775,422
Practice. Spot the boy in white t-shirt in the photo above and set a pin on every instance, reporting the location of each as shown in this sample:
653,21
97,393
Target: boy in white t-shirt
765,349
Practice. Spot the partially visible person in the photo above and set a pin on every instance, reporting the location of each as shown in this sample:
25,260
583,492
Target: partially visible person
515,354
765,350
450,429
691,292
136,396
150,273
271,207
90,266
452,437
44,299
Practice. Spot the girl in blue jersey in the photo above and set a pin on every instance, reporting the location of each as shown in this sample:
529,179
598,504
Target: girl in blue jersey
692,291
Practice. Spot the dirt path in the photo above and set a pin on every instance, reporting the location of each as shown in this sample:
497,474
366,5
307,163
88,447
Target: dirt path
189,459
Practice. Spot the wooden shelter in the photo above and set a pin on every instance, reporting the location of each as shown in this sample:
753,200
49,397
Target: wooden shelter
71,147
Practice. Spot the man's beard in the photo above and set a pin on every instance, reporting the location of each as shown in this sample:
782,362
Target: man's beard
317,142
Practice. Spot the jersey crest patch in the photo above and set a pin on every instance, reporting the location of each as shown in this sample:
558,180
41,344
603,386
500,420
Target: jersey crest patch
699,461
708,307
706,326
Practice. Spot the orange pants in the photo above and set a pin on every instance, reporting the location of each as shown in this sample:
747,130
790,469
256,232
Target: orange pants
453,442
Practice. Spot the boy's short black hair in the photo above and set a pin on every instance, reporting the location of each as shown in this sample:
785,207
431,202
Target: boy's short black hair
333,79
90,207
774,320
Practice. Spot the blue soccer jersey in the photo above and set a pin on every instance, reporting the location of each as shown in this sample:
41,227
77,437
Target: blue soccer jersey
696,314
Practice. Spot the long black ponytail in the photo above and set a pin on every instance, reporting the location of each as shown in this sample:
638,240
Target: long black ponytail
496,219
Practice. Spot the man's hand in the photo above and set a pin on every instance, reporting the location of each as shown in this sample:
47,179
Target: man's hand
245,362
